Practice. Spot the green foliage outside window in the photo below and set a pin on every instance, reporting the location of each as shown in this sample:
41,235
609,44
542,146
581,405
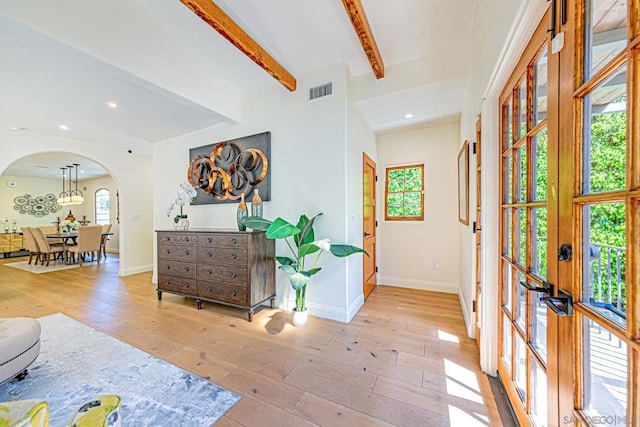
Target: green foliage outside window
404,192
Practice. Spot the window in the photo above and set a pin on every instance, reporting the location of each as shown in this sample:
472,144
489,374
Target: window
404,193
102,206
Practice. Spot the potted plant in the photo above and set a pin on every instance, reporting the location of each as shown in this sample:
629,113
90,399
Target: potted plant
302,242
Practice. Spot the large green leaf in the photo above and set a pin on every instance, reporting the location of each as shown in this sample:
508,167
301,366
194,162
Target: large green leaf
341,251
289,269
281,229
283,260
256,223
314,271
309,248
299,280
307,234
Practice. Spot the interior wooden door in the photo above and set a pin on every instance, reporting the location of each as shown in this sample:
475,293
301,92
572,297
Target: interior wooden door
369,224
478,230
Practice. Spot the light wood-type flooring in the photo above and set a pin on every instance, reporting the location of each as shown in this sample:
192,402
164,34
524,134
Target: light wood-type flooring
404,359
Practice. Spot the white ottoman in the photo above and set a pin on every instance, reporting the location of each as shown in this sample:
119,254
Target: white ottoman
19,346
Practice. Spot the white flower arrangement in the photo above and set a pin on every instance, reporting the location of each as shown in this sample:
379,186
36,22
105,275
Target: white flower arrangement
67,226
186,193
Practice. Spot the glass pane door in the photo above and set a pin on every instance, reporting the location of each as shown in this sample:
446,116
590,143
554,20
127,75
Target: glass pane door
525,208
605,211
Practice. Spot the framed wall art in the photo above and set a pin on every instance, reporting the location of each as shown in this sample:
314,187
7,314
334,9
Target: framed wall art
463,184
221,172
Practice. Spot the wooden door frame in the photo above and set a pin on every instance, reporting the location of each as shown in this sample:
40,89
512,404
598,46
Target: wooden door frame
368,162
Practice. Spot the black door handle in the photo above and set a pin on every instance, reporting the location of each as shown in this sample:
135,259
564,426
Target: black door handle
565,252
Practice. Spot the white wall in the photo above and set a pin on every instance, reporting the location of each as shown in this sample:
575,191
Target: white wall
408,249
360,139
501,31
132,174
34,187
308,176
88,208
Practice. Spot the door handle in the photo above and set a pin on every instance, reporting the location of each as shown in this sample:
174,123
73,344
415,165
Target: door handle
546,288
562,305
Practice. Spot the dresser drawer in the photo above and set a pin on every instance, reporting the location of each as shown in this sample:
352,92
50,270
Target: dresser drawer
177,284
225,293
233,256
176,252
176,238
222,273
222,240
177,268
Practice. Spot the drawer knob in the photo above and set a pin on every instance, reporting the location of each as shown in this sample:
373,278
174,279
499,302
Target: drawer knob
234,274
186,285
209,289
186,253
234,256
209,254
167,282
209,240
168,267
209,271
186,269
168,250
168,238
186,239
234,241
233,293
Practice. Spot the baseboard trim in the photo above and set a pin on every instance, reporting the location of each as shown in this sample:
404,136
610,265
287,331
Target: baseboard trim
468,317
136,270
319,310
355,307
425,285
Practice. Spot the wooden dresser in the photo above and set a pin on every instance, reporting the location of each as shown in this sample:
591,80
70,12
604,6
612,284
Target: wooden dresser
235,268
11,243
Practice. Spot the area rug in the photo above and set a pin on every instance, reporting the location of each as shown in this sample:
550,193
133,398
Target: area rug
38,269
77,363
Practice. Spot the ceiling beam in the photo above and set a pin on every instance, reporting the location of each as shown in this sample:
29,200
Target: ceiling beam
361,25
211,13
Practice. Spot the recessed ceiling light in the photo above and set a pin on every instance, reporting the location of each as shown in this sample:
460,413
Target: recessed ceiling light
81,171
112,104
64,127
17,128
408,116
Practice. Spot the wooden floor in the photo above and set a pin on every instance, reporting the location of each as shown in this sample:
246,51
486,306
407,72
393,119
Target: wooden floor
404,359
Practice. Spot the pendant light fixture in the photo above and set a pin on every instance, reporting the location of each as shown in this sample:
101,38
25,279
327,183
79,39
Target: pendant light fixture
75,196
64,198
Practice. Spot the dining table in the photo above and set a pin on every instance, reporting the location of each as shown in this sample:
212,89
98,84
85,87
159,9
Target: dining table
72,236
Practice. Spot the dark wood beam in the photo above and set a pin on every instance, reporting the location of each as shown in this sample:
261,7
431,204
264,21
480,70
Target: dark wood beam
361,25
211,13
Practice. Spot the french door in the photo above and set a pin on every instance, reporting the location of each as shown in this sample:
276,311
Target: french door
570,219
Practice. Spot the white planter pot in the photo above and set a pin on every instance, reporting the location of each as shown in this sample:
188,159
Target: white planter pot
299,318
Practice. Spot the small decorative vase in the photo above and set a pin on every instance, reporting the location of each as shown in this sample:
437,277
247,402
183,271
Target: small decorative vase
242,213
299,318
256,204
182,224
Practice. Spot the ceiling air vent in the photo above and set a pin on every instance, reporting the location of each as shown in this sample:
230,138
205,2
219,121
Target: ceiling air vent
319,91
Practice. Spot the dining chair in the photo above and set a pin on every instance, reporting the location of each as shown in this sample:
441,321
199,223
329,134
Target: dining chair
51,229
32,245
89,240
46,249
106,228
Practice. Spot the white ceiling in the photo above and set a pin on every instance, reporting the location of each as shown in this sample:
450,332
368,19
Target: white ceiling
172,74
48,165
